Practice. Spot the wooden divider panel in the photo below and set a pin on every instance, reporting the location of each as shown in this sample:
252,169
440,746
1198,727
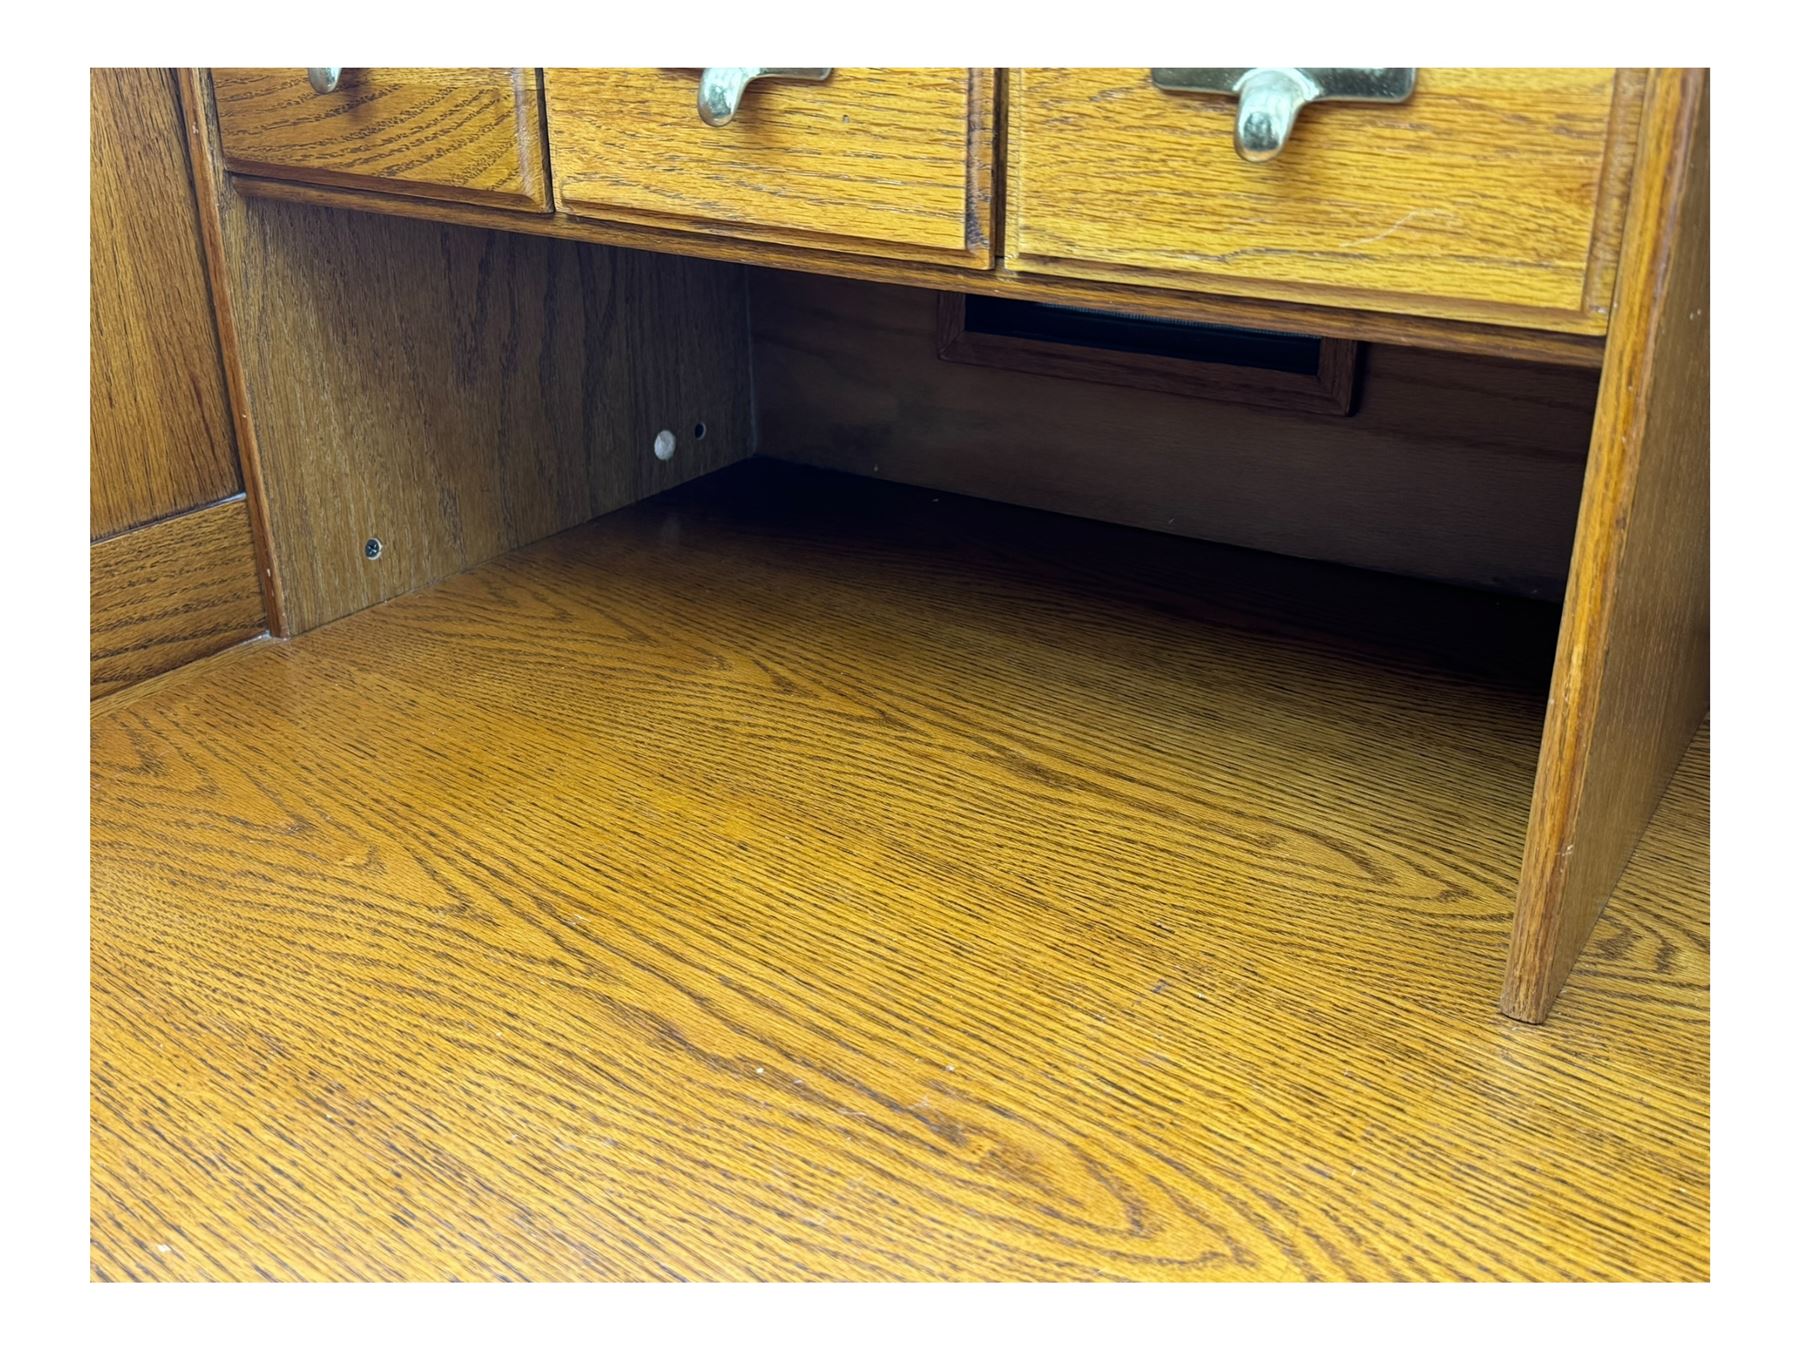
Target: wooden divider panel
436,395
1631,679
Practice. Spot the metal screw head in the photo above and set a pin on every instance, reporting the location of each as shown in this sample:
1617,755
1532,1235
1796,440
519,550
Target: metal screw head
372,549
664,445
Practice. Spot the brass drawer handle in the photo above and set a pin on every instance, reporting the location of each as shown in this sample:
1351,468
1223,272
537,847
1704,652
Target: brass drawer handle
722,86
323,79
1270,97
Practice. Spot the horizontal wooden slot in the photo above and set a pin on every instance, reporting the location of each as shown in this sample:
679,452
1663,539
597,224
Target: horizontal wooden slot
1171,356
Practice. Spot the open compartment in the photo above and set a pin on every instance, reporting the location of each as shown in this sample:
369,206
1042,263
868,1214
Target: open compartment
773,774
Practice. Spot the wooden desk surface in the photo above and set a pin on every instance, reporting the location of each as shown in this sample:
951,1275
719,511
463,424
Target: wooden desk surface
791,878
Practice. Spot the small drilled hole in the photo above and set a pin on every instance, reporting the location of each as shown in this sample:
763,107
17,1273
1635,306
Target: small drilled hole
699,431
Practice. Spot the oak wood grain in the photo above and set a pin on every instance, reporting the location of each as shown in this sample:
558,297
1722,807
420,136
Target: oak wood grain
1453,467
798,877
468,134
150,687
1633,661
1480,197
1567,349
893,162
454,393
168,593
160,435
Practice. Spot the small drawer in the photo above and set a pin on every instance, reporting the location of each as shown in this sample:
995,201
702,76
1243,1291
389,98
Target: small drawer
466,134
1493,195
893,163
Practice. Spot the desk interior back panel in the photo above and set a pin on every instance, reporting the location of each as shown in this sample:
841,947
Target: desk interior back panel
1456,468
459,392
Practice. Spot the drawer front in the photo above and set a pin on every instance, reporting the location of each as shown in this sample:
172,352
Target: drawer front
1490,194
465,134
887,162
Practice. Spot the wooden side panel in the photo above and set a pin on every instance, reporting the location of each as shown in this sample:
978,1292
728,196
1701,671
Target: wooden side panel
455,393
465,133
892,162
168,593
1484,196
1631,677
160,433
1456,468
